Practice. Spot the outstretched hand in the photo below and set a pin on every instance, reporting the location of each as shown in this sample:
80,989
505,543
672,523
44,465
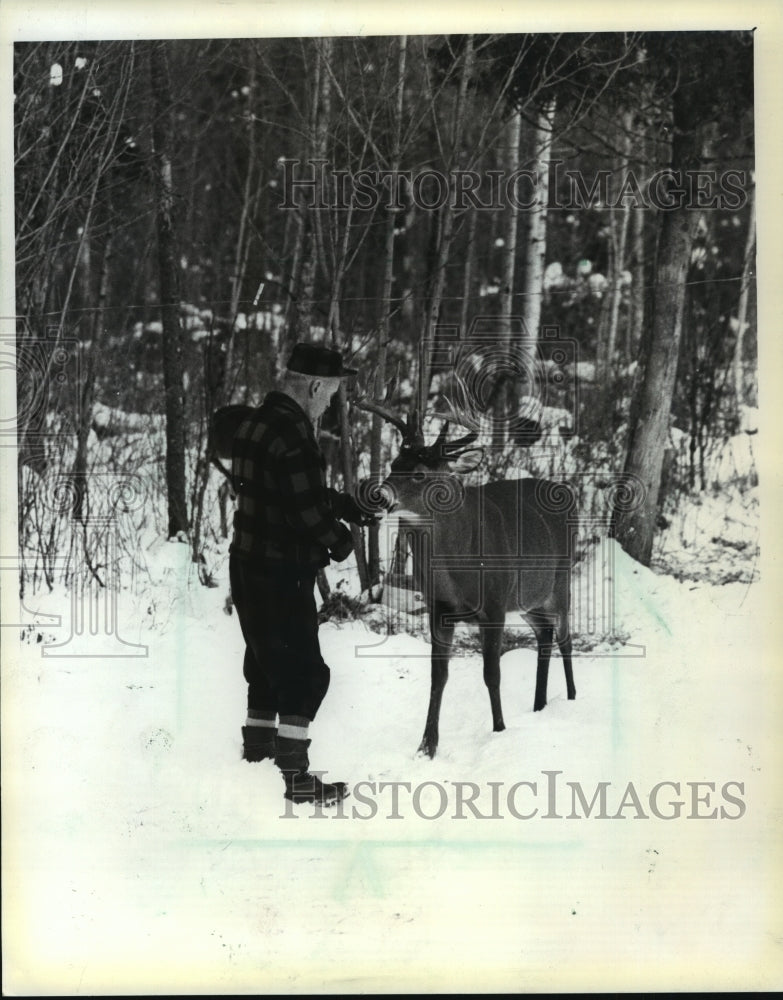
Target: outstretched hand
351,511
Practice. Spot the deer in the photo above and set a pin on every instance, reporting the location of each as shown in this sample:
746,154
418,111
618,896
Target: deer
479,552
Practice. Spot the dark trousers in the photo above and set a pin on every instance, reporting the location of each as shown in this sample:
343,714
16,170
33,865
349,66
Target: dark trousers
283,666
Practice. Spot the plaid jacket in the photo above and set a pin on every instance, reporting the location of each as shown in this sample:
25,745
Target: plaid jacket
285,512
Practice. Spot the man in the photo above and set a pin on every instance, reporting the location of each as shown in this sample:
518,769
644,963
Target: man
286,526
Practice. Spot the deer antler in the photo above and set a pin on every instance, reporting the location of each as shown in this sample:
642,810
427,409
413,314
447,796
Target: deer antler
372,406
451,449
410,427
461,413
459,417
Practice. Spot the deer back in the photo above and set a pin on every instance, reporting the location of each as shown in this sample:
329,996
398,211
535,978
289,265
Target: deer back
505,546
538,536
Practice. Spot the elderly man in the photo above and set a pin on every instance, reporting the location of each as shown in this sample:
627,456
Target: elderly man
287,525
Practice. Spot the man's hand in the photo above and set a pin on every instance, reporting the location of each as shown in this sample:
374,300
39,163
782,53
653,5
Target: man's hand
344,546
351,511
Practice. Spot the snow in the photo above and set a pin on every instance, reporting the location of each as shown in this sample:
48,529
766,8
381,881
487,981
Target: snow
143,856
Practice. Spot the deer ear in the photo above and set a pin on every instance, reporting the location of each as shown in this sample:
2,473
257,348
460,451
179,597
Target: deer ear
468,460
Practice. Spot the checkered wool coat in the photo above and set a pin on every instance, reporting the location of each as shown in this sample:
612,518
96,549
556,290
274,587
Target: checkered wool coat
285,511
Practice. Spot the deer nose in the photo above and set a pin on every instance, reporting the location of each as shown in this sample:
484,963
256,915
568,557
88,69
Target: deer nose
377,496
387,497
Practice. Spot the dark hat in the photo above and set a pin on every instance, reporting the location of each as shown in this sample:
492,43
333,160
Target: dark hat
312,359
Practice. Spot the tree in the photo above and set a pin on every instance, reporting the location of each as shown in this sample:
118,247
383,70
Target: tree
104,166
618,239
444,233
168,291
748,268
569,73
386,300
709,80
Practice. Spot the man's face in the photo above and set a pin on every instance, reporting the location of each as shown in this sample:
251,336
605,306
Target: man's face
323,391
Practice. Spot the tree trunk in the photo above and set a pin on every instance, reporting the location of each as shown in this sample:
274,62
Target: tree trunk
512,139
467,274
634,523
304,289
88,388
339,244
504,395
619,236
374,560
535,261
250,195
173,362
535,254
638,288
93,352
445,234
748,269
346,447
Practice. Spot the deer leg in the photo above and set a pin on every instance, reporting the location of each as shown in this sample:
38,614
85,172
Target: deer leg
562,630
442,636
491,639
564,642
544,637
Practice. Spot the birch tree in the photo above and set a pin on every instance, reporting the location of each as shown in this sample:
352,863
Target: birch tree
748,270
168,290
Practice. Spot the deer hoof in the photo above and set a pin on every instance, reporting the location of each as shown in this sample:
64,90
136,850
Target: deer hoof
537,707
499,727
427,749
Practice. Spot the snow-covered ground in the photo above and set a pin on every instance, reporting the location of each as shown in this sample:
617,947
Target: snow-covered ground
143,856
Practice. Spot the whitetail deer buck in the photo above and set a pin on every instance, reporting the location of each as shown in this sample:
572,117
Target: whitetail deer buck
478,552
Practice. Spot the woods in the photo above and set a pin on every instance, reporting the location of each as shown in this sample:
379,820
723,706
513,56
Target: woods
568,217
539,250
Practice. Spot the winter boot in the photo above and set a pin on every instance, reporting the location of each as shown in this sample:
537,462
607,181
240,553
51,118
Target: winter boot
259,743
300,785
